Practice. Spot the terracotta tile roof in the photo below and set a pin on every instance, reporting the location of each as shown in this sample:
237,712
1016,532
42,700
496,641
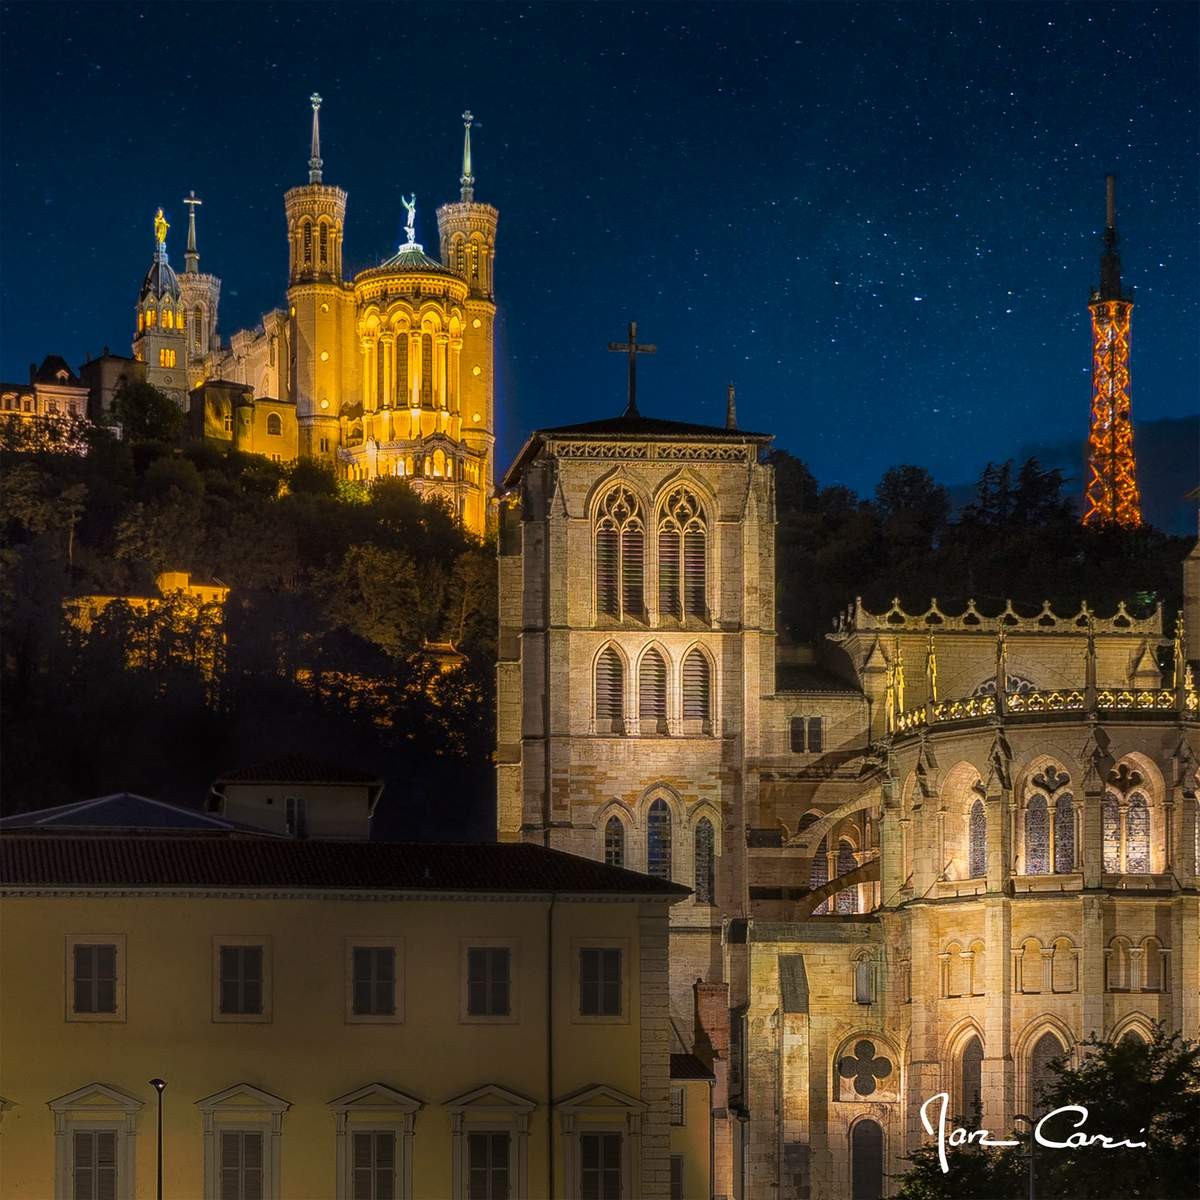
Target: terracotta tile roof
688,1066
220,862
297,768
122,812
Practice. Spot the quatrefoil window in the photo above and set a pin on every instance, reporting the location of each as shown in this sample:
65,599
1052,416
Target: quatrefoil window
865,1067
1124,779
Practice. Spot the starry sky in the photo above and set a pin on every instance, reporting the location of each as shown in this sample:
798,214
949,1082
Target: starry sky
880,221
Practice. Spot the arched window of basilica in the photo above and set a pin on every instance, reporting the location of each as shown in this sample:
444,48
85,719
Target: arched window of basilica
1118,965
682,557
652,693
274,425
1064,833
198,327
818,874
610,692
697,688
614,842
866,1160
977,840
620,553
1045,1050
970,1094
1153,966
658,840
426,370
1111,820
1064,966
705,861
977,965
847,899
1137,836
324,243
1037,836
308,242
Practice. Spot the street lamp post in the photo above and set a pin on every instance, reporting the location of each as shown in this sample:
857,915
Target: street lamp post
1030,1122
159,1085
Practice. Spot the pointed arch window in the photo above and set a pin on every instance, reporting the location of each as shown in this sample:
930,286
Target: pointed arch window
274,425
704,861
610,692
1137,836
1045,1050
866,1160
697,688
1064,834
1037,836
818,874
308,245
658,840
652,693
324,243
614,842
1111,820
426,370
847,898
977,839
620,555
971,1080
682,557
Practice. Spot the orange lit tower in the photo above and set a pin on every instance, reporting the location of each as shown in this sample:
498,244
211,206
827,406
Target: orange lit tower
1112,492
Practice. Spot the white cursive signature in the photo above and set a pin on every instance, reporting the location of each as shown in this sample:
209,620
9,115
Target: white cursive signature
958,1136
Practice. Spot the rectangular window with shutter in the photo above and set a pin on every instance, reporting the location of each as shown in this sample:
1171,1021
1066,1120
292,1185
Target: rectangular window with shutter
816,735
488,1166
489,981
94,1164
374,1169
695,575
95,978
677,1106
374,981
796,729
608,602
633,604
669,595
241,984
676,1177
600,982
240,1170
600,1166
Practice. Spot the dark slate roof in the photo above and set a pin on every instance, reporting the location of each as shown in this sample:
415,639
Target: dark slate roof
270,863
122,812
51,365
414,258
631,427
160,279
297,768
688,1066
807,677
638,426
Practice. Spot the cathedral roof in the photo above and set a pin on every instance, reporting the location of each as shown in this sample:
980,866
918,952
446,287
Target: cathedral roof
413,258
52,366
160,279
632,427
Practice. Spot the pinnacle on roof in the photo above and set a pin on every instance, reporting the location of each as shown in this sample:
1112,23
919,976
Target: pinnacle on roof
191,257
467,180
314,162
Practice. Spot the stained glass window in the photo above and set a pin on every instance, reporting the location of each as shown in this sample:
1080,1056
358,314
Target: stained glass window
971,1097
977,837
1045,1050
1137,836
614,842
1064,833
704,861
818,875
1112,833
847,899
866,1161
658,840
1037,836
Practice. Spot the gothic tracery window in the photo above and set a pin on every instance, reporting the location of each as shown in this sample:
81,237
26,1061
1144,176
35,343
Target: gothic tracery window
977,840
847,899
658,840
705,861
620,553
682,557
1045,1050
818,874
697,687
1037,836
1111,819
1064,833
971,1080
1137,836
614,842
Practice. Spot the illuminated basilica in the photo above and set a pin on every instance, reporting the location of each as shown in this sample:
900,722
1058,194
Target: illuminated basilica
929,855
388,373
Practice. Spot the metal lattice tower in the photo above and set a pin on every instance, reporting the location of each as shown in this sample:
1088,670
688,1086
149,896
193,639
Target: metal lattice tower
1112,495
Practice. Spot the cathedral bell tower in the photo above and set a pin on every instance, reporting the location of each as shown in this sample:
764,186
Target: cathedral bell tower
201,295
467,234
320,306
160,340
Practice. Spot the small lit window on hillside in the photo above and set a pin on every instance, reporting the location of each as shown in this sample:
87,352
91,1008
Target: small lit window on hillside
166,358
274,425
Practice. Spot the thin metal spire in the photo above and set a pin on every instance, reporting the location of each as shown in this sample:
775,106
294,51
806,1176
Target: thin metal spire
314,163
467,179
1110,260
730,410
192,256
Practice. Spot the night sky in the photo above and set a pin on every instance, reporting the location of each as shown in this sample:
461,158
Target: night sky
880,221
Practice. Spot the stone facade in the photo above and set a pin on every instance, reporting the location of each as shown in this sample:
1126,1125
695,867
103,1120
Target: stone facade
945,846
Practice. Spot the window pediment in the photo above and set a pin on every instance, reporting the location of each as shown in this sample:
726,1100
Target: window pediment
598,1098
378,1099
491,1100
244,1098
96,1097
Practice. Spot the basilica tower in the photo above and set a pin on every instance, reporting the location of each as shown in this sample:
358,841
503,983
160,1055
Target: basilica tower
320,305
201,294
467,235
159,341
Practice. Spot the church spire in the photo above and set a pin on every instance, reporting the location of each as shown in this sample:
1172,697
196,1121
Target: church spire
314,162
467,180
191,257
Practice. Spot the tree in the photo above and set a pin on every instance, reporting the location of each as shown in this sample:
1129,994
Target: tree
145,414
1132,1089
911,504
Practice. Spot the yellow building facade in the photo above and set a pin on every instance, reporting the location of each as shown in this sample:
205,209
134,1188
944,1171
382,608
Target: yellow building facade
332,1020
928,855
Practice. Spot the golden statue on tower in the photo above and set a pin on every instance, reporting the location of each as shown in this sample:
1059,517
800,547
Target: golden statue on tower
161,226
